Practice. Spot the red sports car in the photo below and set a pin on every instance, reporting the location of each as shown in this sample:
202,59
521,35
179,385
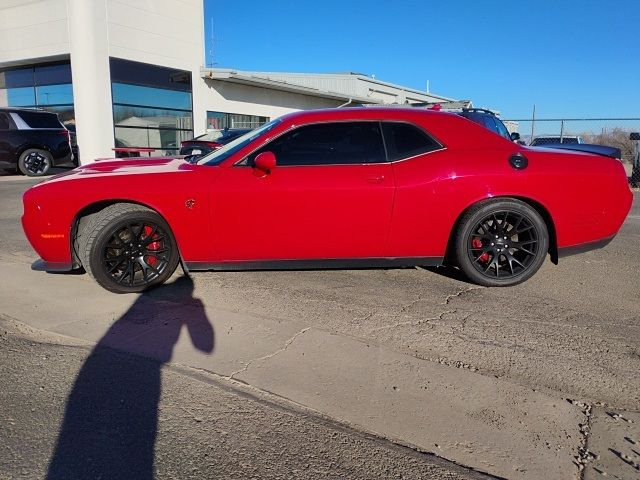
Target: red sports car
348,187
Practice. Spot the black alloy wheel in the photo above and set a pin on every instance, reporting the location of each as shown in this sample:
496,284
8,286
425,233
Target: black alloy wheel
127,248
35,162
501,242
136,254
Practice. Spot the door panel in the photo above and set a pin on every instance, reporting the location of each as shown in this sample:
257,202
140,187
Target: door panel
302,212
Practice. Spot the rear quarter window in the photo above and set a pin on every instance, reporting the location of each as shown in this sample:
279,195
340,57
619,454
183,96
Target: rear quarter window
404,140
40,120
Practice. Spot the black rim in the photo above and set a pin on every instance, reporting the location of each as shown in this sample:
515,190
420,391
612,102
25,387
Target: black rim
136,254
503,245
36,163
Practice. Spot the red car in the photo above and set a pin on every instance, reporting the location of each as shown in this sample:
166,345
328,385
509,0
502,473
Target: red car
355,187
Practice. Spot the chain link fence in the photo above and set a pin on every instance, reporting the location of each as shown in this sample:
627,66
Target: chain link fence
613,132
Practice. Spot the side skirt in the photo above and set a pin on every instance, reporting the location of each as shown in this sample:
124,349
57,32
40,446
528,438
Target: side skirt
324,264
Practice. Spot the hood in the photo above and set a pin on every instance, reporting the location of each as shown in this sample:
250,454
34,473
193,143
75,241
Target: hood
125,166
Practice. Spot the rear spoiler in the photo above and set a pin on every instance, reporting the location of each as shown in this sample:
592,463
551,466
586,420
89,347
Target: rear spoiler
612,152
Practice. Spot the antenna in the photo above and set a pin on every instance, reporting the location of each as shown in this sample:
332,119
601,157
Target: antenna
211,49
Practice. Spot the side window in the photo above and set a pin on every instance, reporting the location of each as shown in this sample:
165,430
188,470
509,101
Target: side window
4,121
339,143
404,140
41,120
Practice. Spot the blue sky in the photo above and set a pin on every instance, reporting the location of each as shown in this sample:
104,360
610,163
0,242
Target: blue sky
570,58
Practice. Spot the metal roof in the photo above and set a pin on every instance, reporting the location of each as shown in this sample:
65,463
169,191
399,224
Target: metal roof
353,87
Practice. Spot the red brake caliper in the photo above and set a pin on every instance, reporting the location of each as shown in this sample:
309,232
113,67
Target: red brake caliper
151,259
477,243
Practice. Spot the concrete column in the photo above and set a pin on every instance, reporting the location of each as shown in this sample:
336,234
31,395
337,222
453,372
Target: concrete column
89,48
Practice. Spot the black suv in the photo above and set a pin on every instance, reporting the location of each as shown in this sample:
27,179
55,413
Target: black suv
33,141
488,119
481,116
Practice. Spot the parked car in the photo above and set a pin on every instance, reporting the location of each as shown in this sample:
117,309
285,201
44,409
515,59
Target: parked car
33,141
489,120
73,138
356,187
543,140
210,141
481,116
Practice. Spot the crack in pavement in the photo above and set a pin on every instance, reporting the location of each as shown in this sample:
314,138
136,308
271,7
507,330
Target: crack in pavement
461,292
414,323
271,355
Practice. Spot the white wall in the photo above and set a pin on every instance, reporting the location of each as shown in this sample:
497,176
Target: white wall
169,33
221,96
89,49
32,29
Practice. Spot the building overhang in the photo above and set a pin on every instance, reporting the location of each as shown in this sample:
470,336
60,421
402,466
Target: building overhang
251,79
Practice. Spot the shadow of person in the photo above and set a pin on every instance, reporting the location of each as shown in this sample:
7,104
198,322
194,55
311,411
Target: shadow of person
111,416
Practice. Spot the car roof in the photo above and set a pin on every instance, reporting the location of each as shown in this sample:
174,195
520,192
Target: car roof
351,113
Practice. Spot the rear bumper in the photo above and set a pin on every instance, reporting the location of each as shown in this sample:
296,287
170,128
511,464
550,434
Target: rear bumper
584,247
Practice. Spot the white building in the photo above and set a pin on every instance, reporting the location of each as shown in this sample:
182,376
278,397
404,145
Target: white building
129,73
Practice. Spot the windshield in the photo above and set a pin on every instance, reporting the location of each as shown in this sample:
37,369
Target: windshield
218,156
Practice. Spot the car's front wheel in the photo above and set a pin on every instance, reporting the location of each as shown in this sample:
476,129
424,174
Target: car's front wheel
127,248
35,162
501,242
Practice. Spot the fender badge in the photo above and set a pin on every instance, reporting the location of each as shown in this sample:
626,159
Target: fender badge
190,203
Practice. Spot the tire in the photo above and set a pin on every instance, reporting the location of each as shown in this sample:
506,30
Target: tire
500,243
35,162
105,246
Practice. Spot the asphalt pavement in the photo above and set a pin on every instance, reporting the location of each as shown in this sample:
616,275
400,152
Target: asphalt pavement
530,367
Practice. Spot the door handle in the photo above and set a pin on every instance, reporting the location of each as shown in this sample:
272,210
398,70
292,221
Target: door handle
375,179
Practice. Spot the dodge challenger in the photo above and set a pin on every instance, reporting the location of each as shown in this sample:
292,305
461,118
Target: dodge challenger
355,187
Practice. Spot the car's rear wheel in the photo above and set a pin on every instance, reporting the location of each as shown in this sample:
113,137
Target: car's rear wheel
127,248
501,242
35,162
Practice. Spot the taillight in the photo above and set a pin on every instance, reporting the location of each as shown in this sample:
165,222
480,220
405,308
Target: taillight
64,132
214,145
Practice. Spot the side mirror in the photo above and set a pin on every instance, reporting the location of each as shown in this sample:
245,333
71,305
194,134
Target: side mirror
265,162
515,136
634,136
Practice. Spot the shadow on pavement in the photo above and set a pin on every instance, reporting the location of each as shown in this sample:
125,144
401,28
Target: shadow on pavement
111,417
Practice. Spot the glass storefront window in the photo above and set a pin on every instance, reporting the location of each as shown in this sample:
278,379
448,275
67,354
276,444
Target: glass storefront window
19,97
16,77
151,106
126,115
150,97
222,120
54,94
46,86
165,141
52,74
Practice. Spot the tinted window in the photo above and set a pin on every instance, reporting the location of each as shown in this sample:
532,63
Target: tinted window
329,143
18,77
40,120
132,116
54,94
219,156
150,97
53,74
20,97
125,71
404,140
502,130
4,122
